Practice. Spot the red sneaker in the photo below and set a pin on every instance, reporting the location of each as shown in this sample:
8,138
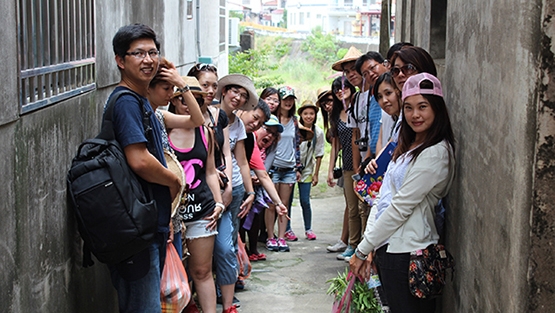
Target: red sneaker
310,235
290,236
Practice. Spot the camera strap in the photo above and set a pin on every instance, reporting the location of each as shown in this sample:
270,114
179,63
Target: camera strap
355,111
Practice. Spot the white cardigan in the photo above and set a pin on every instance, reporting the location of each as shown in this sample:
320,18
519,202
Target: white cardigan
408,221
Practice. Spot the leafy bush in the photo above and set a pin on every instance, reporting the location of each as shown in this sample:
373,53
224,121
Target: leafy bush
253,63
322,47
341,53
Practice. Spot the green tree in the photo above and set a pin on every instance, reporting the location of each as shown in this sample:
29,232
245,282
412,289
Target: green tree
322,47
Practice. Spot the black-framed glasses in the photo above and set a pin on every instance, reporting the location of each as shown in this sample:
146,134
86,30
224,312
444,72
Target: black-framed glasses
141,54
407,69
206,67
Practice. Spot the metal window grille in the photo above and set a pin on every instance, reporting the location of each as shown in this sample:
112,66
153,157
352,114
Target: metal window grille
56,51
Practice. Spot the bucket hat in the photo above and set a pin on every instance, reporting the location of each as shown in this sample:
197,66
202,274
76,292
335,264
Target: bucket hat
241,81
273,121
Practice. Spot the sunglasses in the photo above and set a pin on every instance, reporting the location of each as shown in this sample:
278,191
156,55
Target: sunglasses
206,67
407,69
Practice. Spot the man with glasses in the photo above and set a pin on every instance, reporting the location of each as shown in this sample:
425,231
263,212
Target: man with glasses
371,66
136,50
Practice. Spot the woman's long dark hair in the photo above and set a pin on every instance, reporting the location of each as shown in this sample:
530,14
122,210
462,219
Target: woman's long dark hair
388,79
439,130
338,104
418,57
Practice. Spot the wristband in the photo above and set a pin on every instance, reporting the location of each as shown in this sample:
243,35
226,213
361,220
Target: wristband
361,255
221,205
251,193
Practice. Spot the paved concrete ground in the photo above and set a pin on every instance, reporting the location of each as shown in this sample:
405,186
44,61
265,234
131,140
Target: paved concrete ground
295,282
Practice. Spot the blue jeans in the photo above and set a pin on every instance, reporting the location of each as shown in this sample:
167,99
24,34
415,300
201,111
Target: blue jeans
225,245
304,198
143,295
225,259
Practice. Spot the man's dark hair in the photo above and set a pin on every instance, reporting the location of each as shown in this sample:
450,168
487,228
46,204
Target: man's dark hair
263,106
127,34
370,55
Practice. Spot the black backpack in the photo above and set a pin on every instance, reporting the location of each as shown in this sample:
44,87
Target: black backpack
115,217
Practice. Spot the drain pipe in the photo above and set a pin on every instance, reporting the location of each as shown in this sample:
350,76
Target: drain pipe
197,32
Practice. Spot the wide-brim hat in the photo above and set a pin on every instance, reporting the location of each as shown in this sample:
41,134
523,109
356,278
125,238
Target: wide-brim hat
175,167
307,134
194,86
241,81
352,55
322,92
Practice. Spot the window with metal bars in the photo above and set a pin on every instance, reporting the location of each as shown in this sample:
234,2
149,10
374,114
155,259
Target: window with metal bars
56,51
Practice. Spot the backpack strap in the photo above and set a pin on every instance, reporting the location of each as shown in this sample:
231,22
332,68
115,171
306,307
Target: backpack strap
107,131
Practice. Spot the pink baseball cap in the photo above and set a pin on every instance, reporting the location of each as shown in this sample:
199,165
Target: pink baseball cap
412,86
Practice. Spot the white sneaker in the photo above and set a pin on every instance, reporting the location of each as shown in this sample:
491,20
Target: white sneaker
347,259
339,246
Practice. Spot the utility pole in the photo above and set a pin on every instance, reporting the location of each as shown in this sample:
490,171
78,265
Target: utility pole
385,24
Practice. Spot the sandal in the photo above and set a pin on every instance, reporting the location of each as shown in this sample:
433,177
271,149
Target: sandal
253,257
261,257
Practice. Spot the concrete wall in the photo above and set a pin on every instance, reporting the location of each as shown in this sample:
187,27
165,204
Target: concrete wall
40,249
499,65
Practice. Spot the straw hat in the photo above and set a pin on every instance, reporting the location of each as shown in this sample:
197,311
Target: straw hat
352,55
175,167
242,81
193,84
322,92
307,104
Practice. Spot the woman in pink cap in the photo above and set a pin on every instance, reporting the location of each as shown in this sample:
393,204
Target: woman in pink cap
419,174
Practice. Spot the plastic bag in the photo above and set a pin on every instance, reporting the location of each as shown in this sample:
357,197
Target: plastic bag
174,285
243,260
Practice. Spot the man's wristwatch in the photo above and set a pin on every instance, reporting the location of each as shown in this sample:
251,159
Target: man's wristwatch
361,255
184,89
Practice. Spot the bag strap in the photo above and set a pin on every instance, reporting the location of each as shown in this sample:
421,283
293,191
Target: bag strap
107,130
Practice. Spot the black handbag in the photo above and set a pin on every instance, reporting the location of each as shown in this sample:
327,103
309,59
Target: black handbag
337,170
427,270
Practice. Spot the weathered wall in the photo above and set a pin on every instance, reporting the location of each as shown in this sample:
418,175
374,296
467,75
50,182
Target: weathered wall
490,80
542,257
40,249
498,73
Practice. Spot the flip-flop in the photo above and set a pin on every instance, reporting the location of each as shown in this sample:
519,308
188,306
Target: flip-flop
253,257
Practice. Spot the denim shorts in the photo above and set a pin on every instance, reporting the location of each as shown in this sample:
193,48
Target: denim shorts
288,177
197,229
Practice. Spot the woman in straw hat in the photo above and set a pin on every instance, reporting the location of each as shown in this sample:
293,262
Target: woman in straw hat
194,148
235,91
312,151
